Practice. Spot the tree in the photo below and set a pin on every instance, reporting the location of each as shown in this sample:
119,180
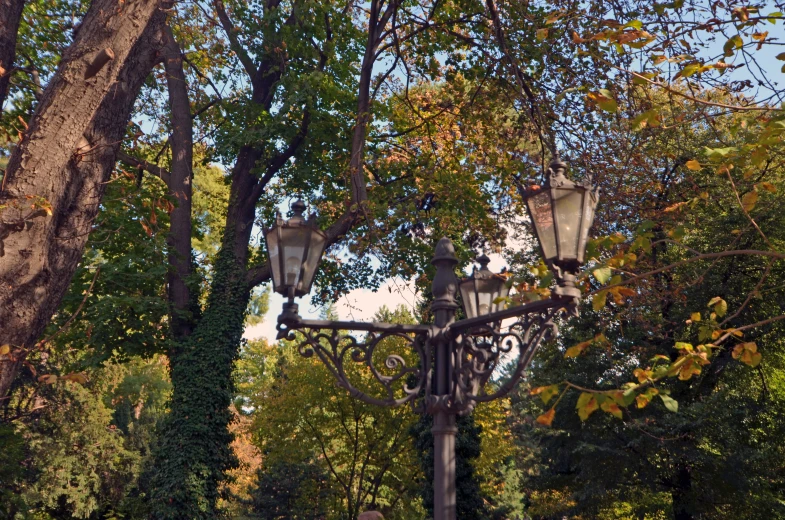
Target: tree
299,414
83,111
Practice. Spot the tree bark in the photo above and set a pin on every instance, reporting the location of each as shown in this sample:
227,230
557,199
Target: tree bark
180,187
682,494
10,16
62,163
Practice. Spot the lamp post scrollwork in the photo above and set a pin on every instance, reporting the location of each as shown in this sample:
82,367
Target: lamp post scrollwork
448,365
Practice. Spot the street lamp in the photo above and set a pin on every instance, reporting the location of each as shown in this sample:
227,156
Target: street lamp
484,292
456,359
295,247
562,213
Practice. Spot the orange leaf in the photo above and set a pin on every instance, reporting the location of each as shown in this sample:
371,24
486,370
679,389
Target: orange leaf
546,419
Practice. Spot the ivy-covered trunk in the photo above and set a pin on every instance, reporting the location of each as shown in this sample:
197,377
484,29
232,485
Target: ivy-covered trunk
194,448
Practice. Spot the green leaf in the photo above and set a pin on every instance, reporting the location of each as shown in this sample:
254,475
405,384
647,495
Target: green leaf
602,274
689,70
733,43
598,300
670,403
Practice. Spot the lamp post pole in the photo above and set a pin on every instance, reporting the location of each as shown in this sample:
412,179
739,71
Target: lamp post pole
455,359
444,287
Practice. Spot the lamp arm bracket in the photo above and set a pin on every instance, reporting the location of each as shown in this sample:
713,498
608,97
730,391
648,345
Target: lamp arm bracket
388,366
557,302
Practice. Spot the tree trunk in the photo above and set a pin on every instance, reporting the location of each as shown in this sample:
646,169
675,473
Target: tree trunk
186,483
180,187
61,164
10,16
682,494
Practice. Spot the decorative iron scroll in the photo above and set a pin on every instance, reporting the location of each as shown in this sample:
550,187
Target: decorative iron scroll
479,352
475,355
399,382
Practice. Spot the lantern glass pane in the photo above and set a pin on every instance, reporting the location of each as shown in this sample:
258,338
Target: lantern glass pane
542,216
469,298
315,250
569,213
502,292
273,250
589,205
486,292
295,241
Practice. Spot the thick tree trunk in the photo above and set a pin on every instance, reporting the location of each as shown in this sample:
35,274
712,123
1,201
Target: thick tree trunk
61,164
180,187
10,16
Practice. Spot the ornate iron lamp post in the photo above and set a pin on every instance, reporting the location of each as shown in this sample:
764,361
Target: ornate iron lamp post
456,359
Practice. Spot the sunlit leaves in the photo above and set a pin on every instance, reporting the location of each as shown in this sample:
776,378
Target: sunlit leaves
546,393
587,404
604,99
693,165
577,350
734,42
644,398
602,274
719,305
747,353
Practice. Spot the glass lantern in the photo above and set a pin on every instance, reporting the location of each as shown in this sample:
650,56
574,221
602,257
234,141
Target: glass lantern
562,213
295,247
483,291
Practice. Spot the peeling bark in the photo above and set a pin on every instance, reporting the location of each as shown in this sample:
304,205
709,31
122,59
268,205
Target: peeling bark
65,157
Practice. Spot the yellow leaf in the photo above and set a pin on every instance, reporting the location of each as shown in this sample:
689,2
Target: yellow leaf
674,207
541,34
577,350
768,187
546,393
695,316
642,400
749,200
76,377
642,375
5,349
587,404
598,300
546,419
693,165
48,379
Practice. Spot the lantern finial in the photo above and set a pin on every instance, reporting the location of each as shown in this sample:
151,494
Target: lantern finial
299,208
557,170
484,261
